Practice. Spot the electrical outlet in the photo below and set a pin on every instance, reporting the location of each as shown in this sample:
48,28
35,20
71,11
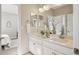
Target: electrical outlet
76,51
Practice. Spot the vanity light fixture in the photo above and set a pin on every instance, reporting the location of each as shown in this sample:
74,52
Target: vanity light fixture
41,10
46,7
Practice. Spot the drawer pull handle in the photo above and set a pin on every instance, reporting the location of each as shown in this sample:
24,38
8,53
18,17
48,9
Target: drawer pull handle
53,53
33,43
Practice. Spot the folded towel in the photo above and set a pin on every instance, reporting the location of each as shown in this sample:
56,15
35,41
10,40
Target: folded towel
6,40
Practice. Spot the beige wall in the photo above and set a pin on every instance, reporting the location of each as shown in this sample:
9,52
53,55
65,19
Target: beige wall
63,10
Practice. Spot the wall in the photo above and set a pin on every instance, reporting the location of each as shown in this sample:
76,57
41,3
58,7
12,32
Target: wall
0,25
12,30
63,10
76,26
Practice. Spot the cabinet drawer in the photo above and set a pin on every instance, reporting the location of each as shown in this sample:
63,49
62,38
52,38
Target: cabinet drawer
59,48
49,51
53,52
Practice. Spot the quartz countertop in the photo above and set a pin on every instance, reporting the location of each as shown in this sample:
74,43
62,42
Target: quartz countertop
67,41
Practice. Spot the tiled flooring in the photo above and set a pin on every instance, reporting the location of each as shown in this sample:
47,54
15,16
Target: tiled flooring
11,51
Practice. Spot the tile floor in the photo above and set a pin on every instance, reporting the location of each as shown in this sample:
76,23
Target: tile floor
11,51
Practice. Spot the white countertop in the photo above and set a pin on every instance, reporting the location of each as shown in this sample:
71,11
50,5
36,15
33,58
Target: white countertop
66,42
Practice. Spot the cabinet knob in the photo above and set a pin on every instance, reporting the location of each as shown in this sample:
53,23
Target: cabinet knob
33,43
54,53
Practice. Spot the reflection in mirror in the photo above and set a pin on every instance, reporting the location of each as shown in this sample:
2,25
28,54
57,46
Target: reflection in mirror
51,25
36,23
63,25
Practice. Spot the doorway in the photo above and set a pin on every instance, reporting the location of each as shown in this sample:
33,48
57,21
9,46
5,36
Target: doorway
9,29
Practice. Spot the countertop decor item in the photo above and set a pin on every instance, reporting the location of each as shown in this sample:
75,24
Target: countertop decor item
62,32
42,32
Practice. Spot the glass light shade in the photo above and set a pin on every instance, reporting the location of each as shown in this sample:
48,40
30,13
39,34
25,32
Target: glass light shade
46,7
41,10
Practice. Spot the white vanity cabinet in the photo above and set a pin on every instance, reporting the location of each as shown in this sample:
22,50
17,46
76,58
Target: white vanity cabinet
58,48
34,46
46,47
49,51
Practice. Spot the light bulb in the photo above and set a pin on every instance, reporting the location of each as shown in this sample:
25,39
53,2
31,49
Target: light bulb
41,10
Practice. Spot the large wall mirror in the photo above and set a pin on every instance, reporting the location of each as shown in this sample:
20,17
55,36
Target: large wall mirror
61,25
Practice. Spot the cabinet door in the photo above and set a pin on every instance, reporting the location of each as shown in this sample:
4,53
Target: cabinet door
46,51
32,46
38,49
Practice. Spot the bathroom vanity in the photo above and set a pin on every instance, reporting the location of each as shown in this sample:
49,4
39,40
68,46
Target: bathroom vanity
51,35
47,46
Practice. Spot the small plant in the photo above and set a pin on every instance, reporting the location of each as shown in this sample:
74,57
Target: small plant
42,32
62,32
47,34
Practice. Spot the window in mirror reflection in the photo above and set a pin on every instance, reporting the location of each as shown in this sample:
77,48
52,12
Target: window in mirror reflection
51,24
